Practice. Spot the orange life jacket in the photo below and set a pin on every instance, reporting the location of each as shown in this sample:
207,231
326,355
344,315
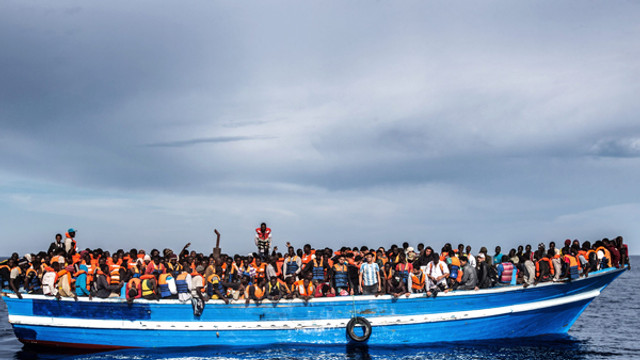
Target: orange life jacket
114,273
62,273
279,264
573,261
389,275
607,254
551,269
308,257
261,270
135,283
301,288
257,291
417,283
455,262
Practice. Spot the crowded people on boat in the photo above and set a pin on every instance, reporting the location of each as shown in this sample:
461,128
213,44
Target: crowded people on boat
66,271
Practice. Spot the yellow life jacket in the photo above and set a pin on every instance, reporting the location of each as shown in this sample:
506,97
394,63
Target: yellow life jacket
147,289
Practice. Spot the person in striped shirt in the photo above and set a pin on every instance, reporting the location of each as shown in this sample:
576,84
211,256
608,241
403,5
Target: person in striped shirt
370,276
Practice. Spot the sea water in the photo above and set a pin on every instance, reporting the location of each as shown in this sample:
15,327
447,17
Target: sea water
608,329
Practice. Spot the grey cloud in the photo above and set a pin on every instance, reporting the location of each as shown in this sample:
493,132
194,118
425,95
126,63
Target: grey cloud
218,139
628,147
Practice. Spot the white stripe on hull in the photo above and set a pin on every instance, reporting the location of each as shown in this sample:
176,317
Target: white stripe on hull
290,325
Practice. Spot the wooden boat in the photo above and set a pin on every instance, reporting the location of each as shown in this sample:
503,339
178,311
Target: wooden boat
501,312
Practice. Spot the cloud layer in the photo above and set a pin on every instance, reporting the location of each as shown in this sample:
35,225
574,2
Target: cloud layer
338,122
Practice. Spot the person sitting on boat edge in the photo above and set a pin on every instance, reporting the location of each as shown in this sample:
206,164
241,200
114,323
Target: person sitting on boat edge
215,289
197,283
469,279
417,281
101,285
255,291
64,283
32,282
370,283
304,287
395,287
455,269
49,279
323,289
507,272
572,264
275,289
544,266
82,285
437,273
613,251
167,286
133,289
16,277
149,287
483,272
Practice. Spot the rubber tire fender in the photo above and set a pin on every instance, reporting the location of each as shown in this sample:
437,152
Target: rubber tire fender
358,320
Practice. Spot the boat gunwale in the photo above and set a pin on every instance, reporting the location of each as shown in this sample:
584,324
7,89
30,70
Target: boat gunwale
351,298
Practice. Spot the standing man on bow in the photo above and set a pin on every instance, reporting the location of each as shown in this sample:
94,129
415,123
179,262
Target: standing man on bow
263,240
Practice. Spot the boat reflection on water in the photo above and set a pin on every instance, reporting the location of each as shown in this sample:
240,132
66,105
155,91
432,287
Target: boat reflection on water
554,347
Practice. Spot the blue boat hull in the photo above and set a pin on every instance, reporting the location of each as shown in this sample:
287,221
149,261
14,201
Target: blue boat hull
509,312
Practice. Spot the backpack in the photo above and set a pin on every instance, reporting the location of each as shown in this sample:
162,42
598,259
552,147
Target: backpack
492,274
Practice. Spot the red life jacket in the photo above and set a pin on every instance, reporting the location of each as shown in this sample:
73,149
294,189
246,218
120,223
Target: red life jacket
263,235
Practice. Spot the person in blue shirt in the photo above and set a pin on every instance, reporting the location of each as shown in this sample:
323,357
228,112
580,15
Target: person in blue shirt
81,281
497,258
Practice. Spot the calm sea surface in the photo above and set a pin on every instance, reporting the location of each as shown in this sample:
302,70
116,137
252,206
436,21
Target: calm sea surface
608,329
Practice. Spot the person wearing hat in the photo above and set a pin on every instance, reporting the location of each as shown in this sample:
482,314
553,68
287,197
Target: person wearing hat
411,254
69,241
483,272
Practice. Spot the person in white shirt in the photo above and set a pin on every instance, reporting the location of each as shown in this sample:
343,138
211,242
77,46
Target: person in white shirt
197,282
472,259
70,241
437,273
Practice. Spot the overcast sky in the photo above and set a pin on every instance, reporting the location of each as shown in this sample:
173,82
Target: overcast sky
337,122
